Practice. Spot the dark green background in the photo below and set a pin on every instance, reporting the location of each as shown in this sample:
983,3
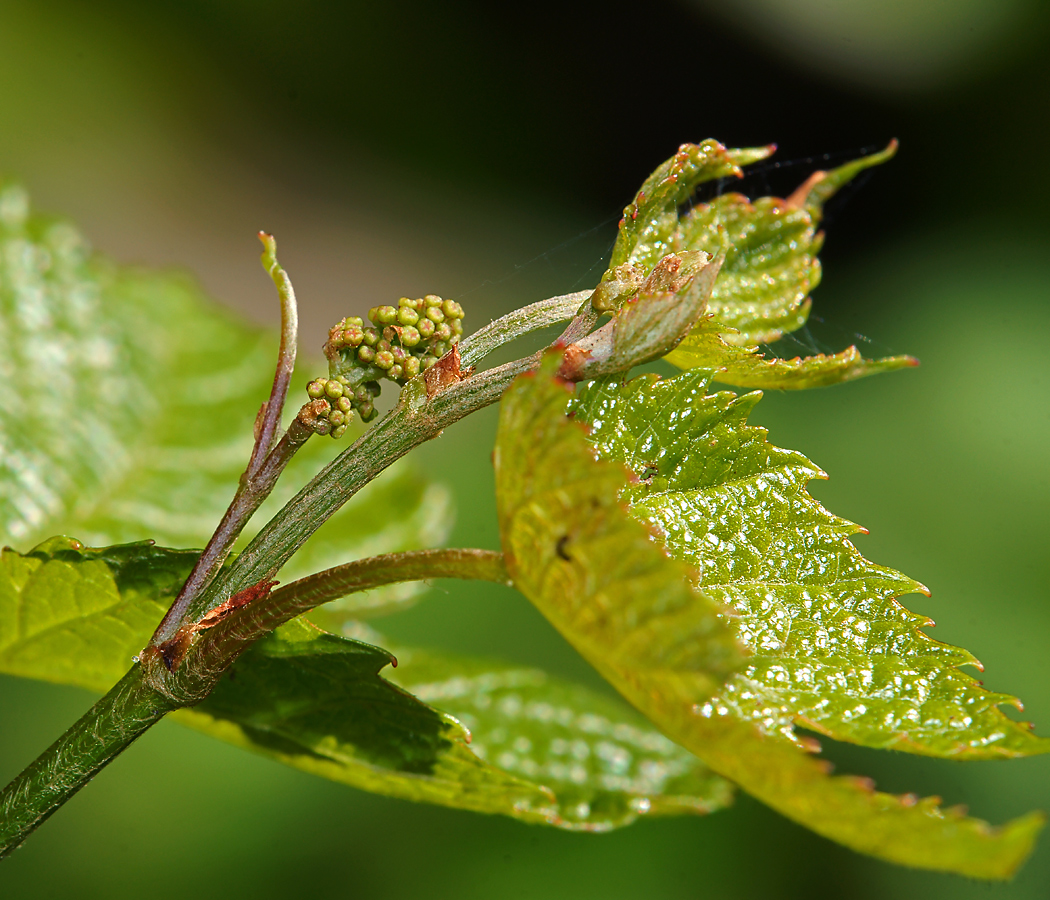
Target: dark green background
484,151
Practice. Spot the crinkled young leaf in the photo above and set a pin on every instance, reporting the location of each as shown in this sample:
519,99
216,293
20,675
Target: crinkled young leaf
771,266
603,764
834,650
649,223
705,348
593,571
127,401
770,269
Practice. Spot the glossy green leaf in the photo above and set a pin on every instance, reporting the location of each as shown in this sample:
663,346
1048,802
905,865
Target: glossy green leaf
833,649
706,348
316,702
739,486
151,392
592,570
602,763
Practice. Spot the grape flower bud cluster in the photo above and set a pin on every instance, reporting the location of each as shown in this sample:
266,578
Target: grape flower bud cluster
400,343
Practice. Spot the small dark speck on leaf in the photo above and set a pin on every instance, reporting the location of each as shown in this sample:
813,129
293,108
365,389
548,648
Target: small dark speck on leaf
559,548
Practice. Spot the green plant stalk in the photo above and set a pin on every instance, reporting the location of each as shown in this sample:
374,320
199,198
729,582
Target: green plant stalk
130,708
148,691
268,458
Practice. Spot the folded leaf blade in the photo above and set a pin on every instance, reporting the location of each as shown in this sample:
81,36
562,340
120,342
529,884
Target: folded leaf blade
706,347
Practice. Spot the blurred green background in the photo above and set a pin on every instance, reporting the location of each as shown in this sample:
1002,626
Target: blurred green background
484,152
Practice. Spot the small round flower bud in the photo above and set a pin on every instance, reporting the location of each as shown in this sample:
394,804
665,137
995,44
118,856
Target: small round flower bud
411,366
384,359
435,314
383,346
372,313
366,355
452,309
443,332
384,315
333,389
339,431
432,301
410,336
457,326
399,353
344,404
407,316
336,418
396,371
439,349
353,336
354,321
371,336
315,389
425,328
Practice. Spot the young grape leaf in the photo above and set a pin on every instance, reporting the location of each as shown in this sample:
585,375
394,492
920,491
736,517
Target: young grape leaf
151,393
76,615
771,268
706,348
716,495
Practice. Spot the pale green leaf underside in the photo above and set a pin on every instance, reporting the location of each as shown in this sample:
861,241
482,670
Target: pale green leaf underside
706,348
126,407
592,570
755,751
75,615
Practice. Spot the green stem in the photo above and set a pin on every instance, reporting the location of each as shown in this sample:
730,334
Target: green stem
105,730
291,600
266,463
